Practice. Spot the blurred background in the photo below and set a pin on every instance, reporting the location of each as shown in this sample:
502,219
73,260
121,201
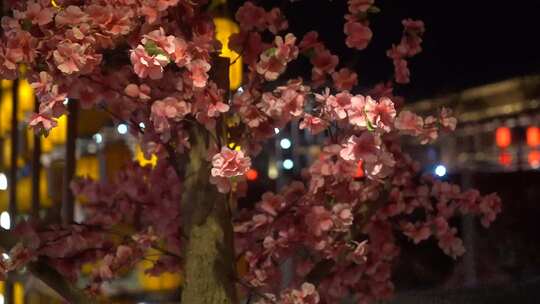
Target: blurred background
480,58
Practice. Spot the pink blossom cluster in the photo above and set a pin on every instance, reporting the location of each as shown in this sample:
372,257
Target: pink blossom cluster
141,197
357,26
228,164
306,294
149,63
345,227
409,46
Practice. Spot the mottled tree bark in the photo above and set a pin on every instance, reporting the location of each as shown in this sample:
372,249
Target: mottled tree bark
209,256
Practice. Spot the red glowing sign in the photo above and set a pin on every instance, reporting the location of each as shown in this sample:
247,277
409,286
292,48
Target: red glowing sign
503,137
533,136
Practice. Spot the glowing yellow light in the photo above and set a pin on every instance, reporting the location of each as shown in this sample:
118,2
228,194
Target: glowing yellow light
143,161
88,166
55,5
224,29
18,293
6,106
273,170
165,281
57,136
26,97
24,198
234,146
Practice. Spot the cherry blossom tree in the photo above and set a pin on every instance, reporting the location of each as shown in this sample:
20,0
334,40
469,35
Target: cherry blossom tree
155,65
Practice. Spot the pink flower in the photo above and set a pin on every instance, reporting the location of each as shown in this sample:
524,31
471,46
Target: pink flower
250,44
319,220
141,92
345,79
359,6
446,119
165,43
270,66
358,35
70,57
417,233
314,124
37,14
199,69
163,5
324,61
306,295
309,41
229,163
489,206
413,27
276,21
357,113
343,216
450,244
180,54
251,16
42,123
340,103
365,147
71,15
409,123
381,115
44,84
168,108
145,65
271,203
286,50
401,71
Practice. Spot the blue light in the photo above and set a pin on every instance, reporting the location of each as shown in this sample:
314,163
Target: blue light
285,143
122,128
98,138
440,170
288,164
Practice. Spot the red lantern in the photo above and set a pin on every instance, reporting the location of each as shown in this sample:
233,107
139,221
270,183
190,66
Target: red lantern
533,136
359,170
534,159
505,159
252,174
503,137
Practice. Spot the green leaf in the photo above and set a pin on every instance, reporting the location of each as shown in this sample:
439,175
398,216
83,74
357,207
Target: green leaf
26,24
153,50
370,127
374,10
270,52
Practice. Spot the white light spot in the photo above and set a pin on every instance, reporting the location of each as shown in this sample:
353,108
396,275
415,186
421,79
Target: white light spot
276,130
142,125
3,181
285,143
5,220
66,101
5,256
288,164
240,90
122,129
98,138
440,170
1,299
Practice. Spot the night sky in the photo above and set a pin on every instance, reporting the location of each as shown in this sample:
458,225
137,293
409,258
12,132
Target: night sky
467,43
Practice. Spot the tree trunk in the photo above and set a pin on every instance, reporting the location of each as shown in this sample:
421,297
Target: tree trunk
209,256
